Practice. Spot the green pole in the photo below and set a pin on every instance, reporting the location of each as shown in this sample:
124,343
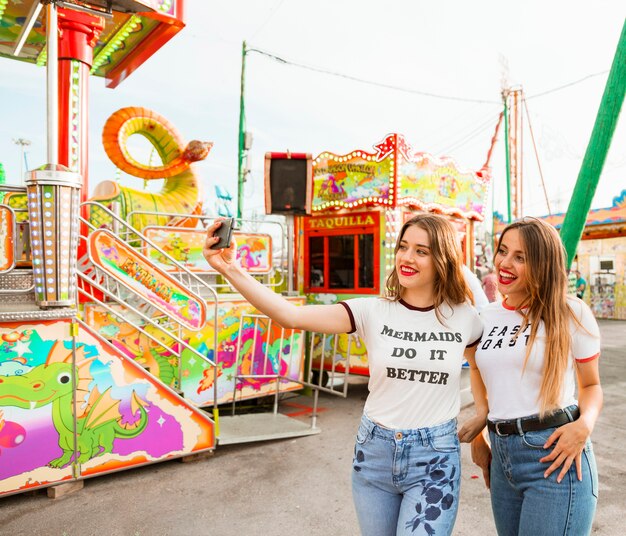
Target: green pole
598,147
242,134
505,96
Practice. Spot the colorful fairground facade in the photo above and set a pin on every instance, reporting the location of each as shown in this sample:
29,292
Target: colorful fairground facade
345,247
600,256
117,343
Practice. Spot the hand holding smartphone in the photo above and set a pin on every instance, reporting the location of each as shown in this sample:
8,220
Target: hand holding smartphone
224,232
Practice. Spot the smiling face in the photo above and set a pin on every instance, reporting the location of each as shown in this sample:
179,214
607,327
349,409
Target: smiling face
415,267
511,268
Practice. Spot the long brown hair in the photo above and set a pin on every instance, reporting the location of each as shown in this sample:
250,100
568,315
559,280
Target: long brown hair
450,285
546,278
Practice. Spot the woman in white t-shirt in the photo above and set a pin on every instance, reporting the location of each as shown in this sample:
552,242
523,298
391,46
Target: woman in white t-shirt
536,344
406,465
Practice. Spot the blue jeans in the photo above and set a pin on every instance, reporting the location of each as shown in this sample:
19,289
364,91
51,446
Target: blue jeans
526,503
406,481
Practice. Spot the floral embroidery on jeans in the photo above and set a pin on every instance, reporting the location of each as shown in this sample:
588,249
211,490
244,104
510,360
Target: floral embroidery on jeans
359,457
433,498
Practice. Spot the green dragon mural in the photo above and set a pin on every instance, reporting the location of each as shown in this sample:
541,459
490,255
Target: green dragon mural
99,420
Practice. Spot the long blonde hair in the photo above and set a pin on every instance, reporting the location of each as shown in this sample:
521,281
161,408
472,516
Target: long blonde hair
450,285
546,278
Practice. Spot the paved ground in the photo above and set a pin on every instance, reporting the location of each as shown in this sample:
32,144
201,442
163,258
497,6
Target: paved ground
294,487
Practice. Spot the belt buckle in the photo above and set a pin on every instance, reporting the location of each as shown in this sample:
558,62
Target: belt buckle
500,434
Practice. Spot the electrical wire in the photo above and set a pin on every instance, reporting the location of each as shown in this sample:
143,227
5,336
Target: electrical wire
273,12
532,137
410,90
488,123
564,86
476,129
453,148
441,132
368,82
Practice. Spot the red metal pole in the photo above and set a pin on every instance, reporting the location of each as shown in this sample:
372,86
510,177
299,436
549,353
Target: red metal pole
78,34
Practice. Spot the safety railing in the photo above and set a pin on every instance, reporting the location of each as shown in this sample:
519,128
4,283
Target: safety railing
275,278
104,289
336,382
15,233
328,367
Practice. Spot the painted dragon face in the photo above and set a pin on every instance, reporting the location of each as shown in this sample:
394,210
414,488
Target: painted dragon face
41,386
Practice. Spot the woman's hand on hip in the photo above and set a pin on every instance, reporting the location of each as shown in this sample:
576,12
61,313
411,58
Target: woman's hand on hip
569,441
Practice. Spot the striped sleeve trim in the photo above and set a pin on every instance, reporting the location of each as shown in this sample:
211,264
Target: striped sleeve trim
587,359
352,323
474,343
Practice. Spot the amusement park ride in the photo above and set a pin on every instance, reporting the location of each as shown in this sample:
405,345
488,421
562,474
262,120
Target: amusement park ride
157,337
118,344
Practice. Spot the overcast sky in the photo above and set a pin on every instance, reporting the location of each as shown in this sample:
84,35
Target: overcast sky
454,48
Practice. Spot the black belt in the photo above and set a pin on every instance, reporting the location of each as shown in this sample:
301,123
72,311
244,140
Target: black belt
533,424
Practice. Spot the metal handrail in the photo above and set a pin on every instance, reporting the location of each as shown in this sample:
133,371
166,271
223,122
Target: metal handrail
181,269
142,315
20,247
12,188
333,372
240,222
279,378
90,279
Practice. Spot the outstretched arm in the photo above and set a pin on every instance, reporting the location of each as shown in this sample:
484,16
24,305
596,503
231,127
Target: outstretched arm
320,318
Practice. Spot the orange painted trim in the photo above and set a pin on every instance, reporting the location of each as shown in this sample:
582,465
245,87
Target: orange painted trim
149,46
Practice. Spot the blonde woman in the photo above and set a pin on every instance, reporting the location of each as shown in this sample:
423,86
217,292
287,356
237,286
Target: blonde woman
536,345
406,465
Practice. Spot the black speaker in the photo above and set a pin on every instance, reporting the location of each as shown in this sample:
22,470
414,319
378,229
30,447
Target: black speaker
288,183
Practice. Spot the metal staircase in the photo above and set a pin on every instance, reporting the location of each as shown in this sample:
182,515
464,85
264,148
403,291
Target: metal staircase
125,303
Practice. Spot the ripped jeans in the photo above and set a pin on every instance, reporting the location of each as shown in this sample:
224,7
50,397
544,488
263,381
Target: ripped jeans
406,482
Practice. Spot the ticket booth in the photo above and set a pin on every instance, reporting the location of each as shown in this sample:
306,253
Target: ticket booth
345,247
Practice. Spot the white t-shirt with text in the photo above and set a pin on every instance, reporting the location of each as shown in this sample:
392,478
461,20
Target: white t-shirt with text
512,390
414,360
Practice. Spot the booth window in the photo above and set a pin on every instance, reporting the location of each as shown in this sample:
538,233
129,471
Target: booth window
366,251
343,262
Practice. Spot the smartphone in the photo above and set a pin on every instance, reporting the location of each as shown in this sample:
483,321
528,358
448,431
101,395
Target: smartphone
224,233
